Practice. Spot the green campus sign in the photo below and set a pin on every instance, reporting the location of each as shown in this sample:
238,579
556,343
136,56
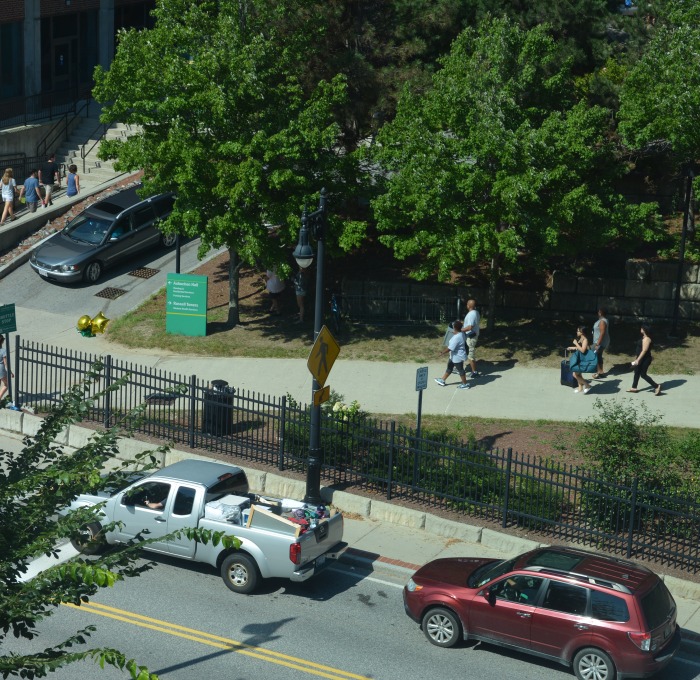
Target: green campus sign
186,304
8,321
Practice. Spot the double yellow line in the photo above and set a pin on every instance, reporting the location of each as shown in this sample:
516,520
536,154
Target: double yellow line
216,641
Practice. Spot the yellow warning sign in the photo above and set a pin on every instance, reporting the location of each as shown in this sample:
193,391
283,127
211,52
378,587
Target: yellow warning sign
323,354
322,395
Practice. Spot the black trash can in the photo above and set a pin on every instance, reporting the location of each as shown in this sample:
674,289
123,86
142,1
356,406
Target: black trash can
217,416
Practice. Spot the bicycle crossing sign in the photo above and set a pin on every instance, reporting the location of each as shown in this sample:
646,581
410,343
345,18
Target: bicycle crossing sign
323,355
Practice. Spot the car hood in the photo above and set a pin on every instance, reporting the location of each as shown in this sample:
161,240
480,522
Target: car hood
453,570
60,249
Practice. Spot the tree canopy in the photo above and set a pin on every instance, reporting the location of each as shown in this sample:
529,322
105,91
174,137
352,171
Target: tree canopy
498,160
225,123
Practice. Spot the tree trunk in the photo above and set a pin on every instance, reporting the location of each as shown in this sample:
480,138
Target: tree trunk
493,289
234,268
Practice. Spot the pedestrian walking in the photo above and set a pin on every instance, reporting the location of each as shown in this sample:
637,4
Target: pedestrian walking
581,343
274,286
4,368
643,361
457,349
601,340
49,173
300,291
471,333
72,181
31,191
8,187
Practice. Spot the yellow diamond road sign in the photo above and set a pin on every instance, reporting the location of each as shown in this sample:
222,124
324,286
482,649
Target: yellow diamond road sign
323,354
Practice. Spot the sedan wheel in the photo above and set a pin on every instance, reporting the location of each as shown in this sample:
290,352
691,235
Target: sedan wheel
93,272
442,627
593,664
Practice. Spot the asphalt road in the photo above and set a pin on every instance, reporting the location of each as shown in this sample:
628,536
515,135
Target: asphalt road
30,293
181,622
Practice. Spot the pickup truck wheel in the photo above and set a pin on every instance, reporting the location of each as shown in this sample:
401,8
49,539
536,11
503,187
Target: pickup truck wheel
240,573
90,541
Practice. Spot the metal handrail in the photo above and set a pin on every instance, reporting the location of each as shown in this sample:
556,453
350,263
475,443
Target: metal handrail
43,144
45,106
83,152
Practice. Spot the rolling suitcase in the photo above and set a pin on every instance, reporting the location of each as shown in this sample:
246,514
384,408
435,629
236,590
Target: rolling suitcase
567,377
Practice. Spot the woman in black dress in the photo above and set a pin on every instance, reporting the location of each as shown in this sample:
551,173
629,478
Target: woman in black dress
643,361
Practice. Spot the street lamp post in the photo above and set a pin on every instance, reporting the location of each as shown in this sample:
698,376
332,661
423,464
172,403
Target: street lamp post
314,224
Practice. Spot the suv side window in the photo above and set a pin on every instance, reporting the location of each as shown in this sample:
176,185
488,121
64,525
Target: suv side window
517,588
564,597
607,607
164,205
141,217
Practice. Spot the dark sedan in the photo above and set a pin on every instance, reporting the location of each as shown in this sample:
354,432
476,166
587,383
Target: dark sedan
105,233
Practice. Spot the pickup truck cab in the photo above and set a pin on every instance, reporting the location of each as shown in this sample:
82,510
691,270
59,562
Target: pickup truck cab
280,538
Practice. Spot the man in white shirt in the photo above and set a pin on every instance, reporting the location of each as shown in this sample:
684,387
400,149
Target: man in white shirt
458,354
471,331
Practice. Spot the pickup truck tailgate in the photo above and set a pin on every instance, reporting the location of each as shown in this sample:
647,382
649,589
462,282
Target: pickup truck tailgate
321,539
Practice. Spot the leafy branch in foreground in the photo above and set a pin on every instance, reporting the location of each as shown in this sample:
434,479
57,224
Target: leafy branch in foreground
36,485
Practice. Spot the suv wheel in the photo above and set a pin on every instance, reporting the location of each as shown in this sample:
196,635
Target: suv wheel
168,240
593,664
442,627
93,272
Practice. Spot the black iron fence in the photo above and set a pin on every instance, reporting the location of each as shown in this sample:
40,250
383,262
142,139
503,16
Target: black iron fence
553,499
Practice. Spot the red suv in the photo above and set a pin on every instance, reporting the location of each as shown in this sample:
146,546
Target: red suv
604,616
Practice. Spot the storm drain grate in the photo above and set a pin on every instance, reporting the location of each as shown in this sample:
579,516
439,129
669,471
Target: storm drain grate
144,272
110,293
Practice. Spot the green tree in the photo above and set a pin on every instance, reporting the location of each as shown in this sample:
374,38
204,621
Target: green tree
35,485
660,99
498,163
224,122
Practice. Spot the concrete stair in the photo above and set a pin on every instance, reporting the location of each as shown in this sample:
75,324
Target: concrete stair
87,133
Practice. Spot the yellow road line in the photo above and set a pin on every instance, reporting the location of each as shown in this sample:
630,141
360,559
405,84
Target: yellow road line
216,641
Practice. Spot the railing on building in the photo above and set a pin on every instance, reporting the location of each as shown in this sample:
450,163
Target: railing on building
40,107
553,499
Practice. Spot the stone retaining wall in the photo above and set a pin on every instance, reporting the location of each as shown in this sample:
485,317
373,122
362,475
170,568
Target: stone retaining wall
647,291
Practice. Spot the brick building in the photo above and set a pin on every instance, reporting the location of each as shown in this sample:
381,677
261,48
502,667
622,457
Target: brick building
53,46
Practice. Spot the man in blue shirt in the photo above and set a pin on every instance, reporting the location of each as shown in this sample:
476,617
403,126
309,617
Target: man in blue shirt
31,190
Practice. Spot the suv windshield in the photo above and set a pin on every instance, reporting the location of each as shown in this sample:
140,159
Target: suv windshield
87,229
657,605
489,572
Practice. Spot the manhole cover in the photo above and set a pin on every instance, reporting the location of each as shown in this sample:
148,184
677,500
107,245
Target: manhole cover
144,272
110,293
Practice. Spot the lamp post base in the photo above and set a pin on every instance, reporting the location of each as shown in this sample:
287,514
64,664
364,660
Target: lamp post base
313,481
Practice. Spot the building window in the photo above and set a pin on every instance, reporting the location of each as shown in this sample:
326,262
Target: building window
11,60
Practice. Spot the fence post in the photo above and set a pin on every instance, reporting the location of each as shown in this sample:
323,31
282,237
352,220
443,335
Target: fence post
280,436
633,508
107,415
506,494
18,373
390,478
193,409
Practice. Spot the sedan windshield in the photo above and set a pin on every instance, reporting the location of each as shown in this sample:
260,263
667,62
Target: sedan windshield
87,229
489,572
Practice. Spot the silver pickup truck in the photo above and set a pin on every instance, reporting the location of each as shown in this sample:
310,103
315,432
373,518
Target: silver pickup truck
280,538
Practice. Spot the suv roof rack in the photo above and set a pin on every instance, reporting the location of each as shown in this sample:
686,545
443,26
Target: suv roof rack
612,585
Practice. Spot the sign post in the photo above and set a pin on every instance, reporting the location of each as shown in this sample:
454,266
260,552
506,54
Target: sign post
8,324
421,384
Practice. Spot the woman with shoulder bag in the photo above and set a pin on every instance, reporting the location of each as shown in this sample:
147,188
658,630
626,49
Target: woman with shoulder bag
581,344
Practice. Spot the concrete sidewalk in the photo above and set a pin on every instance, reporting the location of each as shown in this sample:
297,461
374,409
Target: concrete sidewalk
506,389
